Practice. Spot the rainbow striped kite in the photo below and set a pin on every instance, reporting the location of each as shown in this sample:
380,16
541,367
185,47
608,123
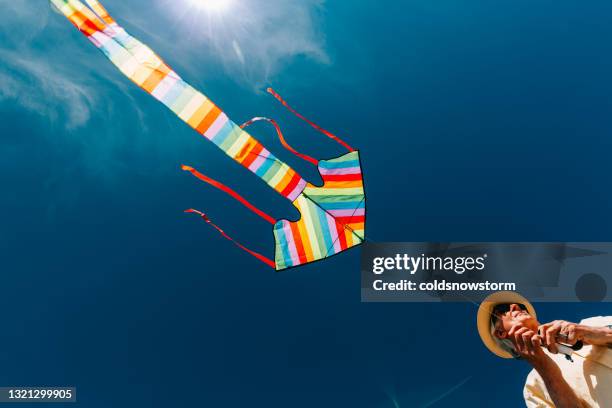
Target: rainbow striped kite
332,216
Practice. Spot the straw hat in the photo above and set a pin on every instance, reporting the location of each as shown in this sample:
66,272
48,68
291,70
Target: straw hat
484,319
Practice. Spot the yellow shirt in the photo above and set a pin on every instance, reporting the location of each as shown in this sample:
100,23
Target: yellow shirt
590,375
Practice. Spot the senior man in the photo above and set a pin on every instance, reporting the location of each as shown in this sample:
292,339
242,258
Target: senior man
508,326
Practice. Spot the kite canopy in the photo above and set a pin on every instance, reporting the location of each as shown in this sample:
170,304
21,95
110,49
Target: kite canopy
332,216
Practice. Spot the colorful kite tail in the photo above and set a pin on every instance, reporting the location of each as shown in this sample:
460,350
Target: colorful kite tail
314,125
257,255
286,145
220,186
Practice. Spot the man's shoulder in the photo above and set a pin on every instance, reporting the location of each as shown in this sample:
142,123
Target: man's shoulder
533,381
534,390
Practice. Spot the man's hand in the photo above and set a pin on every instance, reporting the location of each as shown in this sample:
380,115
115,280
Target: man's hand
570,333
560,331
528,345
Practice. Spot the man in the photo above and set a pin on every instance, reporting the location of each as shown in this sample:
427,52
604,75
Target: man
508,326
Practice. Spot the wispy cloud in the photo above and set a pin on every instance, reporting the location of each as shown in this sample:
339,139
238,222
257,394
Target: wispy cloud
33,83
48,68
31,77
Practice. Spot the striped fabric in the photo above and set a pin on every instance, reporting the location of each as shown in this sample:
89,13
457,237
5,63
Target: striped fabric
145,68
333,216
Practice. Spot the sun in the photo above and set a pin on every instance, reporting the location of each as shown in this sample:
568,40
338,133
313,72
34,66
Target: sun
216,6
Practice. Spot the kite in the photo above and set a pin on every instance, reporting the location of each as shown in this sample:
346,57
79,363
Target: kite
332,217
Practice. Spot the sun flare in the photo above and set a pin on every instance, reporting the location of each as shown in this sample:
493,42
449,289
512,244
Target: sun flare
216,6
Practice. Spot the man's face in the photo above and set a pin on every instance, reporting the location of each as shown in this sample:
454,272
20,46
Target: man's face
511,315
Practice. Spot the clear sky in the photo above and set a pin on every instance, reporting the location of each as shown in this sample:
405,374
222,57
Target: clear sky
476,121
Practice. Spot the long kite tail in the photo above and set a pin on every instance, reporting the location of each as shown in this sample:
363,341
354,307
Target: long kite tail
311,123
257,255
220,186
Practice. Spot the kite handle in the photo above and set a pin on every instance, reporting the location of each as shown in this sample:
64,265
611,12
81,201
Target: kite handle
257,255
281,138
314,125
231,192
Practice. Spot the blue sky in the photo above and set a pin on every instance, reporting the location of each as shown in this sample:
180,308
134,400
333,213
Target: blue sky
475,121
